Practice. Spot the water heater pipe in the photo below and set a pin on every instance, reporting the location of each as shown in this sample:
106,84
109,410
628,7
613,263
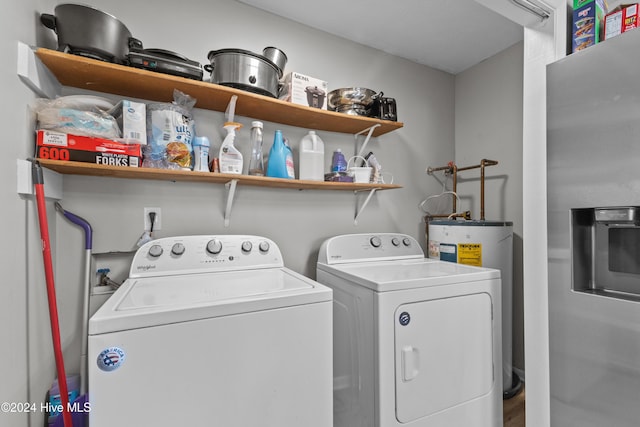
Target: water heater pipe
453,169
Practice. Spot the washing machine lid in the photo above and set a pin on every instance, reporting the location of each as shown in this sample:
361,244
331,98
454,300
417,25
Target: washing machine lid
154,301
383,276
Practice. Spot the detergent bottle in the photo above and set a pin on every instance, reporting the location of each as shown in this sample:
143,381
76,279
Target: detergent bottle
289,160
230,158
277,162
311,157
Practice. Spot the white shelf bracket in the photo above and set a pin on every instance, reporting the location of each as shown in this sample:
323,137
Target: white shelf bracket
366,140
364,204
35,75
231,191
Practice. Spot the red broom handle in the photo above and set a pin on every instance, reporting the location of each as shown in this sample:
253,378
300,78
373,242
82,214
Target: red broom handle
51,294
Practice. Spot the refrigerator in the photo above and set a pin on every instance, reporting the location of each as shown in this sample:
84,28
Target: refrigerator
593,212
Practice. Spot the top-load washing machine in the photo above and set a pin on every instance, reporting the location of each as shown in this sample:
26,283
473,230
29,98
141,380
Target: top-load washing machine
212,331
417,342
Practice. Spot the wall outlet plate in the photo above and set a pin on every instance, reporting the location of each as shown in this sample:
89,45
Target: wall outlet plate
157,223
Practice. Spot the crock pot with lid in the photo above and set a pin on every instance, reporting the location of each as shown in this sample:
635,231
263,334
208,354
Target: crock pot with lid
244,70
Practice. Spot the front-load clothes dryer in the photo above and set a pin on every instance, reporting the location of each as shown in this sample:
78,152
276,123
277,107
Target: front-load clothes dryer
212,331
417,342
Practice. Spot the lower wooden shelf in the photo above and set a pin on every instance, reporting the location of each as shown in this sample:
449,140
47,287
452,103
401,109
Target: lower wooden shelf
90,169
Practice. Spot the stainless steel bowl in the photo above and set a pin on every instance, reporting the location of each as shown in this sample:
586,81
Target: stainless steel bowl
276,56
350,96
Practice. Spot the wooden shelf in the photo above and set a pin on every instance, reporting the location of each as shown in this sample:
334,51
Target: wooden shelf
77,71
90,169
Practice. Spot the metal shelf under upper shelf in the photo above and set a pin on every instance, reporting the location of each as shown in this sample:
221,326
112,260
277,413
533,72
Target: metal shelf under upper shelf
90,169
86,73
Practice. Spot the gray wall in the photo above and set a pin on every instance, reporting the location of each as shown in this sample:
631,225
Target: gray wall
488,125
298,220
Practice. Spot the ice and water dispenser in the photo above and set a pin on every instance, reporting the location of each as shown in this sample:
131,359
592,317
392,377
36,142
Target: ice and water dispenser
605,247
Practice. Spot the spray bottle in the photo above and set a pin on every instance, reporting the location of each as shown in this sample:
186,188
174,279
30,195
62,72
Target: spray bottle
230,157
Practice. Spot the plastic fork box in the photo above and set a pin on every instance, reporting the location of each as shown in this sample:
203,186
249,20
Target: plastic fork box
587,26
62,146
623,18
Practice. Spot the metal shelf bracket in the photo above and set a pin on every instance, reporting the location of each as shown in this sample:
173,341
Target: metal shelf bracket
364,204
369,132
231,191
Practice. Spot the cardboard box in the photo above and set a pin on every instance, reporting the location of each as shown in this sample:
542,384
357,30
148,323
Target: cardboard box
304,90
61,146
623,18
588,23
132,119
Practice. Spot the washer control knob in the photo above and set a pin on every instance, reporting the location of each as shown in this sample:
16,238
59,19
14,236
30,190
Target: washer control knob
395,241
155,251
177,249
375,241
214,246
264,246
246,246
406,241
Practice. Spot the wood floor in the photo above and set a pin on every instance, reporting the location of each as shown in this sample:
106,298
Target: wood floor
513,410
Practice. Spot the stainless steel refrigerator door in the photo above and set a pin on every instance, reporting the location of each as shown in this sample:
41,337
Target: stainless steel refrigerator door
593,150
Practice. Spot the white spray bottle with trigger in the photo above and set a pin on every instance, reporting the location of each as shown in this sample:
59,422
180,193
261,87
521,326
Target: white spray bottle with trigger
230,157
311,157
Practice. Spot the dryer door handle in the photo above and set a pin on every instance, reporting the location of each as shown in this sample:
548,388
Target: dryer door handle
410,363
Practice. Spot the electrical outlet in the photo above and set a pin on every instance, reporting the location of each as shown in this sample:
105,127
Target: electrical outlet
157,222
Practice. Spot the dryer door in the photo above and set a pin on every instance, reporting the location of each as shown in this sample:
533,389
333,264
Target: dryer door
444,354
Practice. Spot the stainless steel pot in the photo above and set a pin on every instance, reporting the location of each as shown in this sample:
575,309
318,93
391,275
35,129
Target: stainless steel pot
83,29
276,56
244,70
358,96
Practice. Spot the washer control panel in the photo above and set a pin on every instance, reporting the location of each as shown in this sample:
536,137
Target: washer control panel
206,253
369,247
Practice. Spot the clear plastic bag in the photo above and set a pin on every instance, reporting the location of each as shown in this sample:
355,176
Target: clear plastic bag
77,115
170,132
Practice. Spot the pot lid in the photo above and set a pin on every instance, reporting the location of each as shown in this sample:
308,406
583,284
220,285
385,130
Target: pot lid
313,90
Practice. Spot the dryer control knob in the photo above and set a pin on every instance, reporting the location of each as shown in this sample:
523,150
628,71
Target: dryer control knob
395,241
177,249
264,246
214,246
246,246
375,241
406,241
155,251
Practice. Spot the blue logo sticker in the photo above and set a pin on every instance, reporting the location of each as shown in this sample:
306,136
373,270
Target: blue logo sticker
111,359
404,318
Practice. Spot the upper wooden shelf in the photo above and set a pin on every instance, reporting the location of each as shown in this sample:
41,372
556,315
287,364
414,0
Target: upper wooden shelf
86,73
90,169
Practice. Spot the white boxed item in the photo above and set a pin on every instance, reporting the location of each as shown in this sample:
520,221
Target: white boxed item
304,90
132,119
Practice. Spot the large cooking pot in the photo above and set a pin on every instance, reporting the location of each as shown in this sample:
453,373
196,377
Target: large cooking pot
244,70
86,30
350,96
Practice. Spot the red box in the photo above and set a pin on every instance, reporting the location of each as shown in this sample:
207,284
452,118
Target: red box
61,146
623,18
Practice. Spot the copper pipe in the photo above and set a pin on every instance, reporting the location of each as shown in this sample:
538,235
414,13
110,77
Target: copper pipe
453,169
483,163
